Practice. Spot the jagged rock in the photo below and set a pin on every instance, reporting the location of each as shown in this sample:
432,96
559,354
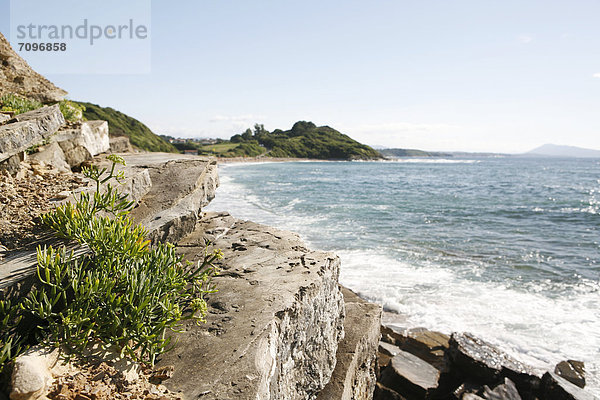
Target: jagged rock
52,155
4,118
428,345
556,388
410,376
32,373
278,337
477,359
505,391
571,370
28,129
82,143
16,76
120,144
354,375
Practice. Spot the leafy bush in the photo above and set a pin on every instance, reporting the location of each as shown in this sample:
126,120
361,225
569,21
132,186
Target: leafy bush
121,293
18,104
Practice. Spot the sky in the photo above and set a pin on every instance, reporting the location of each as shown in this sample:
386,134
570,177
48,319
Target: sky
464,75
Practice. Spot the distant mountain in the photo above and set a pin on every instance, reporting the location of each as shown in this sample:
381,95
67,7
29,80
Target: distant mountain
553,150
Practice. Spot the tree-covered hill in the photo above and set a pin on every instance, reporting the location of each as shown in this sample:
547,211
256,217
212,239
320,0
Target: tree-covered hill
120,124
304,140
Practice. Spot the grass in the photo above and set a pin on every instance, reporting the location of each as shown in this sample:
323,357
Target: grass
122,294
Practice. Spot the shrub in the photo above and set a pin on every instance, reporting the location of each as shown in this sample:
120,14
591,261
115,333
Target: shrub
71,111
17,104
121,293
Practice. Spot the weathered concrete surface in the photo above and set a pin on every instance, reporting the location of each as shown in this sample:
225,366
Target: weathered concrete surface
354,375
28,129
181,186
273,328
16,76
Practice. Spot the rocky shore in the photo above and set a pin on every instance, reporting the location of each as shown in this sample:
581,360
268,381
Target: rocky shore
280,326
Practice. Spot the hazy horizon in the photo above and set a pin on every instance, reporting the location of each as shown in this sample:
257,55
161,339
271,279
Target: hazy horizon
463,76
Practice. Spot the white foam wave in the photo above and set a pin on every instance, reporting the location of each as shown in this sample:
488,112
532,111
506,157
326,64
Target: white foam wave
534,328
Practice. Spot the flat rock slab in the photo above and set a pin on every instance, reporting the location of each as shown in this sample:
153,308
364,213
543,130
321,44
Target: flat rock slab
273,327
428,345
181,186
410,376
27,129
354,375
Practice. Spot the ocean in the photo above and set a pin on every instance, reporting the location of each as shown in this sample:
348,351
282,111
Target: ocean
505,248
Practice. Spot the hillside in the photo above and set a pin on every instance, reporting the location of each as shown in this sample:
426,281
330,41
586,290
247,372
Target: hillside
123,125
396,153
553,150
304,140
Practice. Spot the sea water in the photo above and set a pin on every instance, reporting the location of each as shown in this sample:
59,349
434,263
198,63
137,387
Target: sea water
505,248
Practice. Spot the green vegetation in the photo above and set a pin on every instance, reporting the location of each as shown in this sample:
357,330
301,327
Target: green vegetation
122,293
304,140
18,104
394,153
71,110
120,124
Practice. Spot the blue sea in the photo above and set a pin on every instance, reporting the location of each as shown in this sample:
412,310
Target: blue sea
505,248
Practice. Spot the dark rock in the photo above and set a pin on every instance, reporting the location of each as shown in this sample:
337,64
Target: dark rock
466,388
571,370
385,393
410,376
479,360
556,388
428,345
506,391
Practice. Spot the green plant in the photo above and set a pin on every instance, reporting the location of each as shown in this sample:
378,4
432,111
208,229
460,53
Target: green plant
121,293
17,104
71,111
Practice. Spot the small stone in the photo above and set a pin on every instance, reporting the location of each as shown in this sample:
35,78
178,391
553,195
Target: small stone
573,371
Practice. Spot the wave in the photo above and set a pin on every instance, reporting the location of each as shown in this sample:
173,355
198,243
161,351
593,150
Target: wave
435,297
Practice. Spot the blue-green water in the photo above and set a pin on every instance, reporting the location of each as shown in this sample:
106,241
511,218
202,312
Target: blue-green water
506,248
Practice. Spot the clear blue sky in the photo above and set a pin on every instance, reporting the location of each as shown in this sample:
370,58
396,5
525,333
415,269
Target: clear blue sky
436,75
